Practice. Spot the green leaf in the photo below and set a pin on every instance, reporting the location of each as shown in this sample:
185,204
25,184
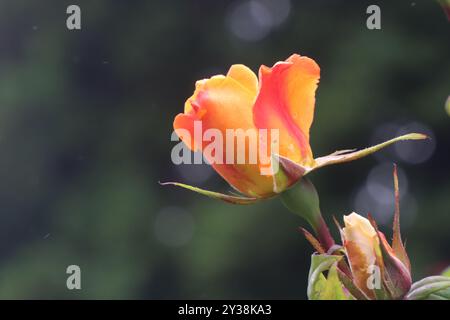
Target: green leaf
431,288
215,195
321,287
440,295
446,273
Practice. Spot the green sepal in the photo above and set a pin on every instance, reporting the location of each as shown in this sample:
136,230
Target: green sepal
351,287
321,287
397,244
350,155
397,278
303,200
215,195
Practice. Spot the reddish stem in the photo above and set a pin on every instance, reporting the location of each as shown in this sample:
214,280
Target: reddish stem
323,234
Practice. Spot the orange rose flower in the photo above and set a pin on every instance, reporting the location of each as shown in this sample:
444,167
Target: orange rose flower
283,99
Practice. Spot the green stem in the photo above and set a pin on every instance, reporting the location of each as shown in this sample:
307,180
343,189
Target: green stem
303,200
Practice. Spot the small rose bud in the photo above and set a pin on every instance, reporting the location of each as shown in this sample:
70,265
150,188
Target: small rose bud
361,244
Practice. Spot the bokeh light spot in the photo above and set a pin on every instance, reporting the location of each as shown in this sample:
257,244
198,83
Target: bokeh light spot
253,20
196,174
376,196
415,152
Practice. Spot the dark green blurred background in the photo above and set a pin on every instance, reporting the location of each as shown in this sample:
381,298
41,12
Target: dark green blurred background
85,124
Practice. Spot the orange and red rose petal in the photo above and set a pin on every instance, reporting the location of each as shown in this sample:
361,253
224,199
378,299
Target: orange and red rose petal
222,103
286,102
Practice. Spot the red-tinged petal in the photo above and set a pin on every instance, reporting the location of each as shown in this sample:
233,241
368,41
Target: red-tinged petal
286,102
225,103
302,80
184,128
